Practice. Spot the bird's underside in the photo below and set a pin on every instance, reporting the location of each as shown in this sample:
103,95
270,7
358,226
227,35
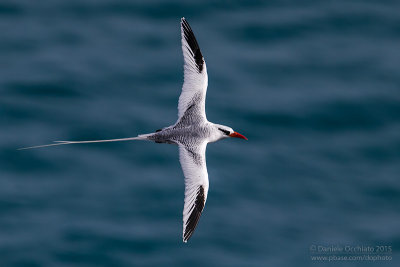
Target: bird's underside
191,132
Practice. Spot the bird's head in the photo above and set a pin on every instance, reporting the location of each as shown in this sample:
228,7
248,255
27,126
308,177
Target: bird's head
225,132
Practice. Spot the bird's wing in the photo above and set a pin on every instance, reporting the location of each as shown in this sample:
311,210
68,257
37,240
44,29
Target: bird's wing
193,161
191,107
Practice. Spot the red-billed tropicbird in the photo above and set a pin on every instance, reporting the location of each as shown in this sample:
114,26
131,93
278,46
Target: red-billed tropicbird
192,131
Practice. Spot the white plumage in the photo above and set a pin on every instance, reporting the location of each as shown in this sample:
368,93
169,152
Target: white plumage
192,132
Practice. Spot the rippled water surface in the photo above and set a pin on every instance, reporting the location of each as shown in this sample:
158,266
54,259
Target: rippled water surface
314,85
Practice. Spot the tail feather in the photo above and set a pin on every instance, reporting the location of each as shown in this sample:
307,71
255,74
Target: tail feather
59,143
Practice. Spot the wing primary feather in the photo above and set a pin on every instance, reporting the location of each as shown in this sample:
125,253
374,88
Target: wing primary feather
194,217
193,46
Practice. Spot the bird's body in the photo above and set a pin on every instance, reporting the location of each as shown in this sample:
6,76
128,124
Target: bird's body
192,131
191,135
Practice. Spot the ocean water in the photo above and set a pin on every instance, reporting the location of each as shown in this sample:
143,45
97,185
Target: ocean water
314,85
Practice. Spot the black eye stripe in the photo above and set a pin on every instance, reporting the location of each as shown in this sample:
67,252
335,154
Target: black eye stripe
224,131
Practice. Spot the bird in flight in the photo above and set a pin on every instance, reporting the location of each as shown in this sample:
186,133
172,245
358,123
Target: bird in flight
192,131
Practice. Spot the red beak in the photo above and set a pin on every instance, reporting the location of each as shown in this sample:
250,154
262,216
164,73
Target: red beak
238,135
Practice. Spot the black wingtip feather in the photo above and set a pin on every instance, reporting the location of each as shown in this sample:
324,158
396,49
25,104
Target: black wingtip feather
194,46
195,215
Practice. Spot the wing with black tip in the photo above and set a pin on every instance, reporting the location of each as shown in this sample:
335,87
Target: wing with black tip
194,168
195,82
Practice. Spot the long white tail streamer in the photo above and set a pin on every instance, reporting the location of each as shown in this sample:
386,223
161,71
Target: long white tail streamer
59,143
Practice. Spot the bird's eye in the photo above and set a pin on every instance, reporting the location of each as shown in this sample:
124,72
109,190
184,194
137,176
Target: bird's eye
224,131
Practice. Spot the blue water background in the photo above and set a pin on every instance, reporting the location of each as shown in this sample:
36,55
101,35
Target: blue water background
314,85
